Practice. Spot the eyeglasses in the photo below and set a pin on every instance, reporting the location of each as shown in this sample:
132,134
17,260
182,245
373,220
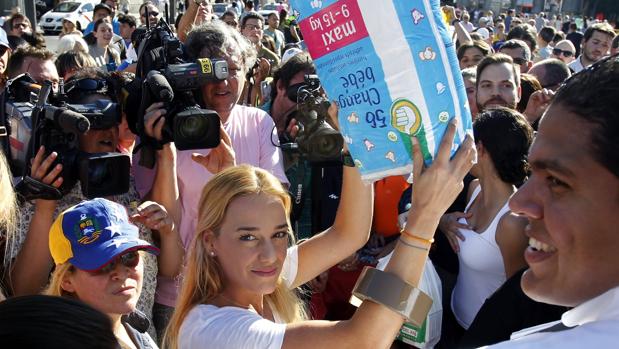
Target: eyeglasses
129,260
151,14
253,27
559,52
3,49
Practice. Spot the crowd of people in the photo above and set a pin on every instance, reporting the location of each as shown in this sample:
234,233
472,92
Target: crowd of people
251,245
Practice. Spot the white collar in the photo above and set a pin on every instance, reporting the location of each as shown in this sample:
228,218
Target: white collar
602,307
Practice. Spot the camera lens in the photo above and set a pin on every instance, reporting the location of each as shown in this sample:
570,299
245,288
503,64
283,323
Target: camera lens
99,173
193,127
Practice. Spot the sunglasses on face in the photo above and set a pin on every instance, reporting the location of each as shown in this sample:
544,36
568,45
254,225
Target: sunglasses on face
3,49
559,52
520,61
21,25
151,14
129,260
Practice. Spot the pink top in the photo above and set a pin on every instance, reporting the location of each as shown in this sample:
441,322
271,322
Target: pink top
253,136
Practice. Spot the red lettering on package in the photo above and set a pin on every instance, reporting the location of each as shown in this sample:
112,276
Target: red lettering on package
333,27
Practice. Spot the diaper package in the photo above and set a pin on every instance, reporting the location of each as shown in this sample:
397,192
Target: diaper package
392,68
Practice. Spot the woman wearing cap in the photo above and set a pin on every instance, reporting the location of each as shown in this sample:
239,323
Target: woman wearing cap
97,252
68,28
238,290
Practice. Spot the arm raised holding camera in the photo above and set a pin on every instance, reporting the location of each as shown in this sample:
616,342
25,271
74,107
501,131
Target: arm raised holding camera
30,270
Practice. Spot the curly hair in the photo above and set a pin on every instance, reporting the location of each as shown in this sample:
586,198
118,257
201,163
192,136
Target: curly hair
506,136
220,40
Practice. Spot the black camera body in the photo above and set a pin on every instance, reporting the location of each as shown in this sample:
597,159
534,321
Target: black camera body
317,139
165,75
57,128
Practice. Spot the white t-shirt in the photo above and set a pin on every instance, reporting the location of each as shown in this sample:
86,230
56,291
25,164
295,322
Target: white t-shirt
207,326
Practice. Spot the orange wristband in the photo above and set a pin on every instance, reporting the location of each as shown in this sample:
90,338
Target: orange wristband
426,242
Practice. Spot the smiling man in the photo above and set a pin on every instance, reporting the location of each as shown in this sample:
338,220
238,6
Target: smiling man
571,201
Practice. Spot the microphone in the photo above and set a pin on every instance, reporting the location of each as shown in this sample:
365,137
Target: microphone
68,120
159,86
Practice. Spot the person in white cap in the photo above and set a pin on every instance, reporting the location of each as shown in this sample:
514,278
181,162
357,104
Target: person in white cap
69,28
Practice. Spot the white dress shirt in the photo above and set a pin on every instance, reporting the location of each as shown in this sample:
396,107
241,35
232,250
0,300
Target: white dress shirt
595,325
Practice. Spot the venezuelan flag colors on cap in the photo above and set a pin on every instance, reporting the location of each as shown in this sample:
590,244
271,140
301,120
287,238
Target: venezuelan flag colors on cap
92,233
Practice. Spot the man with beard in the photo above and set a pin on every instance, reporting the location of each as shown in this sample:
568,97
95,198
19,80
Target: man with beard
498,82
595,45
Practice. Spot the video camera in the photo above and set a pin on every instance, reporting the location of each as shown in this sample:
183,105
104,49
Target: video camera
32,122
165,75
317,140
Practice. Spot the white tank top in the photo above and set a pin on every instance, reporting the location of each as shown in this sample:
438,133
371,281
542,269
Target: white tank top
481,268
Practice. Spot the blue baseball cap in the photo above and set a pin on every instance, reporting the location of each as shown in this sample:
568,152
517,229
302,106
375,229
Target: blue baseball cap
4,41
92,233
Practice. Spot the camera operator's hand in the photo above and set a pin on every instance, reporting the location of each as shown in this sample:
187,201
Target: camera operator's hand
40,170
154,120
334,121
220,157
262,70
154,217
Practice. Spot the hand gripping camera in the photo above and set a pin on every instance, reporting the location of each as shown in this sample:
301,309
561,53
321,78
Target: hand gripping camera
165,76
35,123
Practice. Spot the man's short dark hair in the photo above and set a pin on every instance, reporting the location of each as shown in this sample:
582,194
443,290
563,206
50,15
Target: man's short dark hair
13,67
573,26
128,20
555,72
102,6
251,15
547,33
603,28
525,33
497,58
301,62
592,96
516,43
478,44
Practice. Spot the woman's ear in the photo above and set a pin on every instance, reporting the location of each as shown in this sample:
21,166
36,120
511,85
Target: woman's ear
67,284
208,239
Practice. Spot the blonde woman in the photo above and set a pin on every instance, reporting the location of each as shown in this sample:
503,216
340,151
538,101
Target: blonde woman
97,255
238,290
8,215
69,28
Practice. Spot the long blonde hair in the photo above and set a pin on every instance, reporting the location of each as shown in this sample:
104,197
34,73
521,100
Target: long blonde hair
55,284
8,208
203,276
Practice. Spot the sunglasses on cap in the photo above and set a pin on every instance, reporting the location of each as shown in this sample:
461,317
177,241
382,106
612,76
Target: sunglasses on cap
129,260
559,52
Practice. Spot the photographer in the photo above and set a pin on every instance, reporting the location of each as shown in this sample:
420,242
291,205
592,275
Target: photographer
32,261
39,63
250,130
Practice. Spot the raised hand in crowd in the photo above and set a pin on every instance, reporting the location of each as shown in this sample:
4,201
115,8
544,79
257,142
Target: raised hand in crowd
450,226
